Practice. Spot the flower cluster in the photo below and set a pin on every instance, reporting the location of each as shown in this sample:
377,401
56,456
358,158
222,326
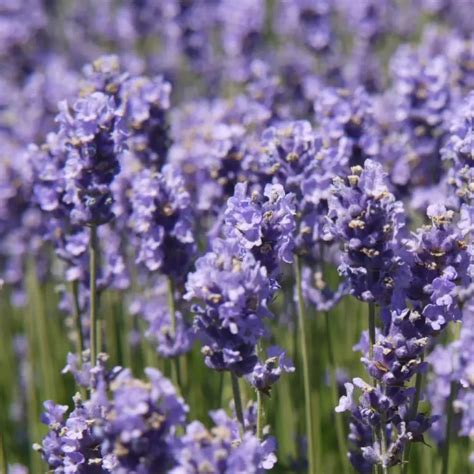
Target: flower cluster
459,150
263,224
162,220
171,337
147,101
235,289
222,449
129,425
345,115
422,97
367,218
453,367
92,144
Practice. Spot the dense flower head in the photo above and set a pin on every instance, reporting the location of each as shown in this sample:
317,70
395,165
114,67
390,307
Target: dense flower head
139,431
439,261
21,225
147,101
71,443
222,449
241,31
345,114
210,141
456,12
286,150
92,144
234,290
459,150
377,410
126,425
365,216
162,220
263,223
422,98
21,23
307,20
453,364
304,162
369,19
104,75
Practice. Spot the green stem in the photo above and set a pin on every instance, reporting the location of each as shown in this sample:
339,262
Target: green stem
175,372
77,321
306,378
171,305
3,455
412,414
449,422
371,328
41,324
237,399
341,440
259,415
383,444
94,321
376,433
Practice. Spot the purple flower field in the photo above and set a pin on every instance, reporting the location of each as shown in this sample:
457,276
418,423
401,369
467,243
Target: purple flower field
236,237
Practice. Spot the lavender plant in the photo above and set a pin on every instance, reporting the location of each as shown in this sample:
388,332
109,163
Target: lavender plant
210,210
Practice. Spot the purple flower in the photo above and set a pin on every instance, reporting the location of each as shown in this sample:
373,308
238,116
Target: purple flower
459,151
171,340
317,292
222,449
92,146
265,374
147,101
263,224
307,20
367,219
347,115
234,290
422,97
140,430
162,220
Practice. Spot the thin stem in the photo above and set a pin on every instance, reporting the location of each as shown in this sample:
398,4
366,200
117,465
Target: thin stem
371,328
237,399
412,414
341,440
259,415
449,422
377,432
383,445
3,455
306,378
175,372
171,305
94,321
77,321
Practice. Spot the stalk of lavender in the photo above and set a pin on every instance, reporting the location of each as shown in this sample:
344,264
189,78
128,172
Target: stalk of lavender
90,136
237,399
237,278
453,388
412,414
306,375
77,320
342,445
3,455
172,309
366,217
94,322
